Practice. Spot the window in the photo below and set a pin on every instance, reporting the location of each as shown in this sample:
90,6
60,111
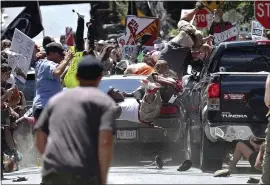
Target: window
124,85
245,59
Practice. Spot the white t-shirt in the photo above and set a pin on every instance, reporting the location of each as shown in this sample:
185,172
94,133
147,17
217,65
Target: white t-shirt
12,81
130,108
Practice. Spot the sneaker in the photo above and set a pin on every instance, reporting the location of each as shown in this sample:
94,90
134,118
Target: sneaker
222,173
253,180
159,162
186,165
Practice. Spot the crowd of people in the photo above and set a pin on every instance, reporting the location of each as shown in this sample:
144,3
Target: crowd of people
88,147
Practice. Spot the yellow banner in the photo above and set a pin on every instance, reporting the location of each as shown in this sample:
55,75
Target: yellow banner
70,78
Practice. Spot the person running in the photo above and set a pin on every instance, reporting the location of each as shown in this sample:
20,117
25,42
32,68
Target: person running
48,72
75,133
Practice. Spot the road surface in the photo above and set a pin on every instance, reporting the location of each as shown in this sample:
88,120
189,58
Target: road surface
148,175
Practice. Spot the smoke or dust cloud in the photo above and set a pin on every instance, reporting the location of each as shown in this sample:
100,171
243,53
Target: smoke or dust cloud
24,141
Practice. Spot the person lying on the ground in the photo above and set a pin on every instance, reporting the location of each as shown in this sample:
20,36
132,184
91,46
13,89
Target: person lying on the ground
248,150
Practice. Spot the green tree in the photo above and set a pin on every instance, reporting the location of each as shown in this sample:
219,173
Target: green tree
246,8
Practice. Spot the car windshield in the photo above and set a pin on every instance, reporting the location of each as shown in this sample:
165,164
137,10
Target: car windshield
124,84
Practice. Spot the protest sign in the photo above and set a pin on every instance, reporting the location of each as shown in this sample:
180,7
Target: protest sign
69,38
256,29
121,41
23,46
226,35
70,78
129,50
137,27
202,19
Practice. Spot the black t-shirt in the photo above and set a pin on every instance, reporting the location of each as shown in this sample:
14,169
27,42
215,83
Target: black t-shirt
72,120
178,58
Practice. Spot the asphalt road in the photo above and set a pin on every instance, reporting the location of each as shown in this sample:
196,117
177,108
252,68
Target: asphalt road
148,175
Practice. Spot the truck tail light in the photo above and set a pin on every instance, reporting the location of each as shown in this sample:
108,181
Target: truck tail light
263,42
214,90
168,110
214,97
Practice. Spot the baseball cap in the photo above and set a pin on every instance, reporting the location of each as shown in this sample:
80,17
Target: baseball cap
55,47
89,68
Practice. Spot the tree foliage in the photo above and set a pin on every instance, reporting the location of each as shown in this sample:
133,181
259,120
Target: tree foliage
246,8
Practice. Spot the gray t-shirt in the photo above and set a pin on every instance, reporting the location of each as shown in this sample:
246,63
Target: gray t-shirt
72,119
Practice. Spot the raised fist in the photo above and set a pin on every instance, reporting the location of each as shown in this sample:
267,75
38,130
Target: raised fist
133,26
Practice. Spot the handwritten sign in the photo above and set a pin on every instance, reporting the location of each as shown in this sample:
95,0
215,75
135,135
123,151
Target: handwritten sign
225,35
130,50
256,29
24,47
70,78
137,27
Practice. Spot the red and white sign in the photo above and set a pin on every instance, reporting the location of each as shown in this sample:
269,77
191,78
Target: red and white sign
262,13
234,96
69,39
136,27
201,19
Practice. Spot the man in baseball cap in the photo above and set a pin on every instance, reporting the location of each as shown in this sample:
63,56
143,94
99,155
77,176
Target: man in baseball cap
48,72
89,71
81,116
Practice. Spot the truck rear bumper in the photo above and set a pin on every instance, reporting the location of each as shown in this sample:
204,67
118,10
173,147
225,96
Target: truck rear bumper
229,133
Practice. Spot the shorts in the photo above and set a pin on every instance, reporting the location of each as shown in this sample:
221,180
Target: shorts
37,113
252,158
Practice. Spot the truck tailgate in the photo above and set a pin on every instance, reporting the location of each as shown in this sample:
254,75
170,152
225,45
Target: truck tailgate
242,98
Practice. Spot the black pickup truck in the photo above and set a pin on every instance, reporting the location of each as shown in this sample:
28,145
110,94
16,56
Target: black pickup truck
225,102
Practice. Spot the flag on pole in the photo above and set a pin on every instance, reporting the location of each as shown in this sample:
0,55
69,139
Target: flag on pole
28,21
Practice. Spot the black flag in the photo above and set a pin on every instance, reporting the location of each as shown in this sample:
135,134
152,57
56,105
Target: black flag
132,8
28,22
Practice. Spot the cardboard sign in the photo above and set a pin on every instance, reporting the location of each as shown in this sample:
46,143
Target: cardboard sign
226,35
70,78
136,27
256,29
121,41
130,50
69,38
24,47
